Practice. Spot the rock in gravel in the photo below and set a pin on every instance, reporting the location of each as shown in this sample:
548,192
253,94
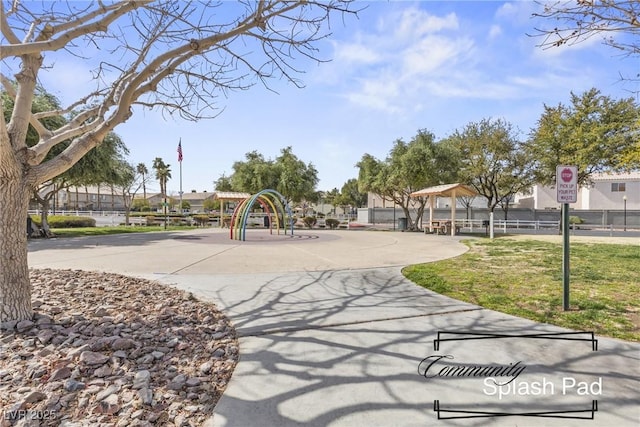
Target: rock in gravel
106,349
60,374
146,395
93,358
35,396
141,379
23,325
123,344
73,385
109,405
107,392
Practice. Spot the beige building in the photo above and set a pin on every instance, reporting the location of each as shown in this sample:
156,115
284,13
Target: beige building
606,192
87,198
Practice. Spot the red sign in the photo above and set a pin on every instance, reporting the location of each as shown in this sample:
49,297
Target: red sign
567,184
566,175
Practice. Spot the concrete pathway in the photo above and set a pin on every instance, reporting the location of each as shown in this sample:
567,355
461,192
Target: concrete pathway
331,334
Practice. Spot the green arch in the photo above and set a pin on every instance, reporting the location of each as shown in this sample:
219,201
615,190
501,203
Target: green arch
267,198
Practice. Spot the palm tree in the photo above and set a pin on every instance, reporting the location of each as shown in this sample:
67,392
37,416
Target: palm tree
163,174
141,168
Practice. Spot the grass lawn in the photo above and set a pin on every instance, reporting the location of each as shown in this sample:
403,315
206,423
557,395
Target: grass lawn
103,231
524,278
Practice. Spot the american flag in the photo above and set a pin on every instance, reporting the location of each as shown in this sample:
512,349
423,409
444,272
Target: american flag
180,151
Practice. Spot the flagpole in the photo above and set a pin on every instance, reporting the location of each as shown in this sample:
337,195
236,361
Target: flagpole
180,161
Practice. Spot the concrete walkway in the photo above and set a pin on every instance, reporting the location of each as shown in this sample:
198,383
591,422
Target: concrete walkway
331,334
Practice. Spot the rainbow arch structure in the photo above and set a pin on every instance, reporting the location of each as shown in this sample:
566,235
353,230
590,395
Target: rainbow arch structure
272,202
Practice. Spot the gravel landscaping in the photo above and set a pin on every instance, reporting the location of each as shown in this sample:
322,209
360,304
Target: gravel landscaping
111,350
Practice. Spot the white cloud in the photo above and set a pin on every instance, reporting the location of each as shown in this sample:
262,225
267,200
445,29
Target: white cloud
385,67
355,53
495,31
433,54
378,93
518,12
414,23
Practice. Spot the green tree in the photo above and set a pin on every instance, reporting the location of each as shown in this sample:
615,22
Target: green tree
127,181
95,168
174,56
296,180
333,198
223,184
409,167
287,174
594,133
163,174
254,174
211,204
142,170
351,195
492,160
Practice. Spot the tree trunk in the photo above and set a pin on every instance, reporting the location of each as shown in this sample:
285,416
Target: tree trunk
44,215
15,288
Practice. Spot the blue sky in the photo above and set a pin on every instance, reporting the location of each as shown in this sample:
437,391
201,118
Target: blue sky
399,67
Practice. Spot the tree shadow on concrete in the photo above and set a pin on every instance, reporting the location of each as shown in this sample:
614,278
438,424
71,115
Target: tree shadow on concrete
344,347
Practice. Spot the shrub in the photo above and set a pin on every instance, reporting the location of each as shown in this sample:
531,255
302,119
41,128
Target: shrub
575,220
140,205
309,221
201,220
64,221
332,223
151,219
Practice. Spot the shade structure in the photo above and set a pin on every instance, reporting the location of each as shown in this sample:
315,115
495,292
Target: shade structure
228,196
445,190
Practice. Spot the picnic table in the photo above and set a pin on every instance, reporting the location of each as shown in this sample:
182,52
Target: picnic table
443,227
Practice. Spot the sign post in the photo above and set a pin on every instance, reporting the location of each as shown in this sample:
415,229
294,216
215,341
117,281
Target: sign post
566,192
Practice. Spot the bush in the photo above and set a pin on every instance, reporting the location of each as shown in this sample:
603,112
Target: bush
332,223
151,219
64,221
576,220
309,221
201,220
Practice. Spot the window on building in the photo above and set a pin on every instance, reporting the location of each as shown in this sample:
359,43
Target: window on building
617,187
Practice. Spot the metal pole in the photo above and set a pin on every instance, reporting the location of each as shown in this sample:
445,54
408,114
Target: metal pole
491,225
565,256
625,212
164,204
180,188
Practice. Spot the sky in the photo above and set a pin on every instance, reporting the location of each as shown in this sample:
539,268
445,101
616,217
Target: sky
395,69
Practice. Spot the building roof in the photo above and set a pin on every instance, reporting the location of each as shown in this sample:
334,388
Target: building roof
231,195
445,190
630,176
196,196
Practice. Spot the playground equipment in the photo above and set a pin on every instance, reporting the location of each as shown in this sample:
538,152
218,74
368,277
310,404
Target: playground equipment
273,203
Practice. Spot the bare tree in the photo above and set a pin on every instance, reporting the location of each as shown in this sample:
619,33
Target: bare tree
618,22
168,54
